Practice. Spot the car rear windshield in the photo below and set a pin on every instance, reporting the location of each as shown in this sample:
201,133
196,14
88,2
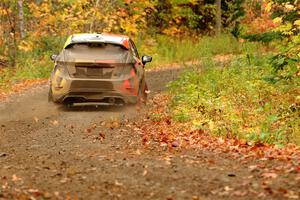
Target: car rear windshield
97,51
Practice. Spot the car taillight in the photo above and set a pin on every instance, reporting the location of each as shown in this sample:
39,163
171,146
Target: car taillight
61,70
59,75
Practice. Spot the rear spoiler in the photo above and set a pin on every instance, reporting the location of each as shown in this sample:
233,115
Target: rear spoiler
123,42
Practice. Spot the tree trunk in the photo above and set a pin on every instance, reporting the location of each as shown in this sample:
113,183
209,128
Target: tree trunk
21,18
10,38
218,26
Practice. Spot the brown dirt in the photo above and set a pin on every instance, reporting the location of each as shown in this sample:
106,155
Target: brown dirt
90,152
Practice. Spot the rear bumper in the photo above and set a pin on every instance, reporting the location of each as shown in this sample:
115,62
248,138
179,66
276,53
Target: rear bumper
104,97
82,90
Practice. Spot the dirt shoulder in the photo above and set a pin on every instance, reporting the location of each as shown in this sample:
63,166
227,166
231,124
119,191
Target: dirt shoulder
97,153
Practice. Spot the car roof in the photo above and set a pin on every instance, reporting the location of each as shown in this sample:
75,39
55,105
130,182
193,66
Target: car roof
98,38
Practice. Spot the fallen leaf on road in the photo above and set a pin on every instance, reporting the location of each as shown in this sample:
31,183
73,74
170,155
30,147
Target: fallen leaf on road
71,126
269,175
227,188
292,195
145,172
54,122
167,158
117,183
253,168
221,140
102,136
64,180
88,130
175,143
138,152
36,119
282,190
239,193
33,190
102,123
47,195
15,178
3,154
116,124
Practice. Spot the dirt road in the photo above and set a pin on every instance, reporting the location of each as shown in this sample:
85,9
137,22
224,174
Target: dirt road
87,153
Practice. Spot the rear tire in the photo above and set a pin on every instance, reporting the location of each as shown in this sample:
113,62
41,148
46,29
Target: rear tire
68,105
142,96
50,95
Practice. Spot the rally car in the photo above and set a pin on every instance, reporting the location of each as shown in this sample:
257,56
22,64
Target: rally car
102,68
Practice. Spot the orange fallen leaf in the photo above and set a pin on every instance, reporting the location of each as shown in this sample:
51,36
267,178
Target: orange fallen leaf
269,175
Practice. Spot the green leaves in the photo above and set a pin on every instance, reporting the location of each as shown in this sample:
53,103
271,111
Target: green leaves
286,15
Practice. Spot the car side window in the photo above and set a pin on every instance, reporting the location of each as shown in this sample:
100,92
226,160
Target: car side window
134,49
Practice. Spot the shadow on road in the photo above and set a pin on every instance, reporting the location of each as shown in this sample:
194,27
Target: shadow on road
93,108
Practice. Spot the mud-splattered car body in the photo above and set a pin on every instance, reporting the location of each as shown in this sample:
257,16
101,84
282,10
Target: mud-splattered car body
98,68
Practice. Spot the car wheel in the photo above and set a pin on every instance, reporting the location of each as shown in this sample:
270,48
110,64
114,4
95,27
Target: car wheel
142,96
68,104
50,95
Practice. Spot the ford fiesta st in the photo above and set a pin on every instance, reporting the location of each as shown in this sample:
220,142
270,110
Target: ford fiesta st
102,68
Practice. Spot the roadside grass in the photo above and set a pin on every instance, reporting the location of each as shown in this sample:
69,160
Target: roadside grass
30,69
34,63
166,50
243,99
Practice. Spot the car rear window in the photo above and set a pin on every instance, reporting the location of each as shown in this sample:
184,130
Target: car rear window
97,46
97,51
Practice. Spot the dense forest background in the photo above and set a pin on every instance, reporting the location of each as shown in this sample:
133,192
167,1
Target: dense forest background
246,75
35,24
32,24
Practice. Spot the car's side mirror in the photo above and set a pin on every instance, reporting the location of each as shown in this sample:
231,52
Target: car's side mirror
146,59
53,57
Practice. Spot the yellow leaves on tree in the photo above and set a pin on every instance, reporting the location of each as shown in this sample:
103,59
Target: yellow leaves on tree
264,22
26,46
